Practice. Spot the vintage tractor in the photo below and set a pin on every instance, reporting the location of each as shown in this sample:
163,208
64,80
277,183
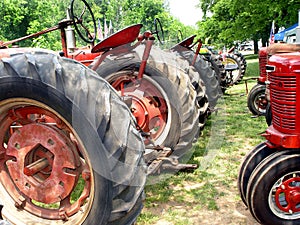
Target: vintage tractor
208,76
269,177
151,82
169,108
257,101
70,150
156,88
228,68
235,65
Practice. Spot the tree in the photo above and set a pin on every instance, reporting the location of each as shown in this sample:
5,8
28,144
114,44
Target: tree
23,17
13,13
240,20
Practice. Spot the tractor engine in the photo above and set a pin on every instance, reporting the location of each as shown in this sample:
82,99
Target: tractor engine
284,82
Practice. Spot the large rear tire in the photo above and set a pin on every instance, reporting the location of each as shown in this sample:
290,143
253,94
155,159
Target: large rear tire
70,153
237,75
207,75
164,89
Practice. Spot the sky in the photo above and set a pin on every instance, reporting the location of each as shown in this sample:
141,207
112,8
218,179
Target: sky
186,11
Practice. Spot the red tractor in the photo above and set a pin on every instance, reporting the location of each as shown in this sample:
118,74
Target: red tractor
269,177
257,101
208,76
70,150
153,83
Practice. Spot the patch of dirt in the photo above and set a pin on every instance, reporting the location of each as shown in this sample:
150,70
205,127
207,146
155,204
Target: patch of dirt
231,212
230,208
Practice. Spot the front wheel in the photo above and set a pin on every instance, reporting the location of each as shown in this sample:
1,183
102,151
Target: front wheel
66,157
274,190
257,101
251,160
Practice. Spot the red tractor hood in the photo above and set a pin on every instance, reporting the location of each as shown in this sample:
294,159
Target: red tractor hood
286,62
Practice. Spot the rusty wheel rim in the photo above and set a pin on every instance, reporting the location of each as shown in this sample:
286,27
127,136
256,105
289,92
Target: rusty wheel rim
42,162
261,102
147,101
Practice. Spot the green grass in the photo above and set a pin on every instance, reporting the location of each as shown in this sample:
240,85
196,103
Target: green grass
192,198
253,56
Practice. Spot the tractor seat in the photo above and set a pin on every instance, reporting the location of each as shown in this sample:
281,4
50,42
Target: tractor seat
122,37
186,42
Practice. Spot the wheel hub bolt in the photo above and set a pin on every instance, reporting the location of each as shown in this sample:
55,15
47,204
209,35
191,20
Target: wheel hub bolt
20,203
282,187
290,211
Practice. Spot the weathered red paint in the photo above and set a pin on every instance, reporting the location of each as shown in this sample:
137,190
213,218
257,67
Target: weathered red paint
122,37
40,162
146,103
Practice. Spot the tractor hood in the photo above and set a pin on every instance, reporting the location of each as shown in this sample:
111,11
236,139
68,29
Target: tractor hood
286,62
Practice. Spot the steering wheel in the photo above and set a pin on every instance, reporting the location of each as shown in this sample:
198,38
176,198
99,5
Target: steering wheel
159,31
81,11
179,36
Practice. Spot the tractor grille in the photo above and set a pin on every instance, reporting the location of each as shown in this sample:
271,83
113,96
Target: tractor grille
263,60
283,101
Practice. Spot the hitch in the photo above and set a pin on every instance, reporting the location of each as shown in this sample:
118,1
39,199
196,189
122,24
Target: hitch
164,163
179,167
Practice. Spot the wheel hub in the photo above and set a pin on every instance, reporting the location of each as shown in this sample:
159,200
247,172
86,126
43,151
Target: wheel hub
44,164
261,102
287,196
145,102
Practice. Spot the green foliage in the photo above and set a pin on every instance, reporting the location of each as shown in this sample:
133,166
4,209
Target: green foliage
13,13
23,17
234,20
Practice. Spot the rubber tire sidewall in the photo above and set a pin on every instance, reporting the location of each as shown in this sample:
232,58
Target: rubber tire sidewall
173,135
268,175
16,87
257,90
250,162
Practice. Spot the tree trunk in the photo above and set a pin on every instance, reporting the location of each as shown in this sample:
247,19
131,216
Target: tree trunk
255,46
264,40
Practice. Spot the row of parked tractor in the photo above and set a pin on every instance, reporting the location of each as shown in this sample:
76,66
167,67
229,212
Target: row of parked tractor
83,128
269,176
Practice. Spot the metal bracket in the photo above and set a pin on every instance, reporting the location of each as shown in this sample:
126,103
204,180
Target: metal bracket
246,83
155,165
165,163
180,167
